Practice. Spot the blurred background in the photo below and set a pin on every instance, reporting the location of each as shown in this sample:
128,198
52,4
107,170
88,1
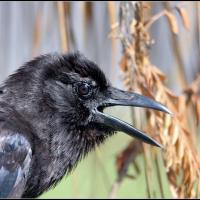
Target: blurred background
166,36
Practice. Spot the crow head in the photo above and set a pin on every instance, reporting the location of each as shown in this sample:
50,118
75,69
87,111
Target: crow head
76,88
63,97
77,91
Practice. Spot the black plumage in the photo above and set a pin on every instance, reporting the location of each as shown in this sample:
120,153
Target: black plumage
51,116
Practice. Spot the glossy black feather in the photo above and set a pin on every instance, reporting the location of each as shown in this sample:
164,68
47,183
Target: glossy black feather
15,159
15,153
41,93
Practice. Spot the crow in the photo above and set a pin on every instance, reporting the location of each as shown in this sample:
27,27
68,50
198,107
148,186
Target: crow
51,116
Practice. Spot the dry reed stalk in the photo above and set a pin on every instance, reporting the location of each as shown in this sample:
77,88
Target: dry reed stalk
113,19
87,15
180,155
62,26
112,12
159,177
37,33
198,13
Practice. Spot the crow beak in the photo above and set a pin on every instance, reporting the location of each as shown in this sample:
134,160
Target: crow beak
123,98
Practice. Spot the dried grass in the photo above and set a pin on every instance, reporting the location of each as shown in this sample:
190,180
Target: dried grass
63,26
180,155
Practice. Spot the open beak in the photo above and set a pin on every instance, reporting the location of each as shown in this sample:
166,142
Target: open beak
118,97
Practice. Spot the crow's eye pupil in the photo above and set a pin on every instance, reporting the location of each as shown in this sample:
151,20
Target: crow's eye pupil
84,89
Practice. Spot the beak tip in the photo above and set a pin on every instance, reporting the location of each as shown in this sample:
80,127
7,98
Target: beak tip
159,145
165,109
162,147
169,112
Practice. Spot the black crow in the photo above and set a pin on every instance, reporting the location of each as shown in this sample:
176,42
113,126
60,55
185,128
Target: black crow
51,116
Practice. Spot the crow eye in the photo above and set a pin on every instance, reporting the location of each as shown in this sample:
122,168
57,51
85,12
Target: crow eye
84,89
